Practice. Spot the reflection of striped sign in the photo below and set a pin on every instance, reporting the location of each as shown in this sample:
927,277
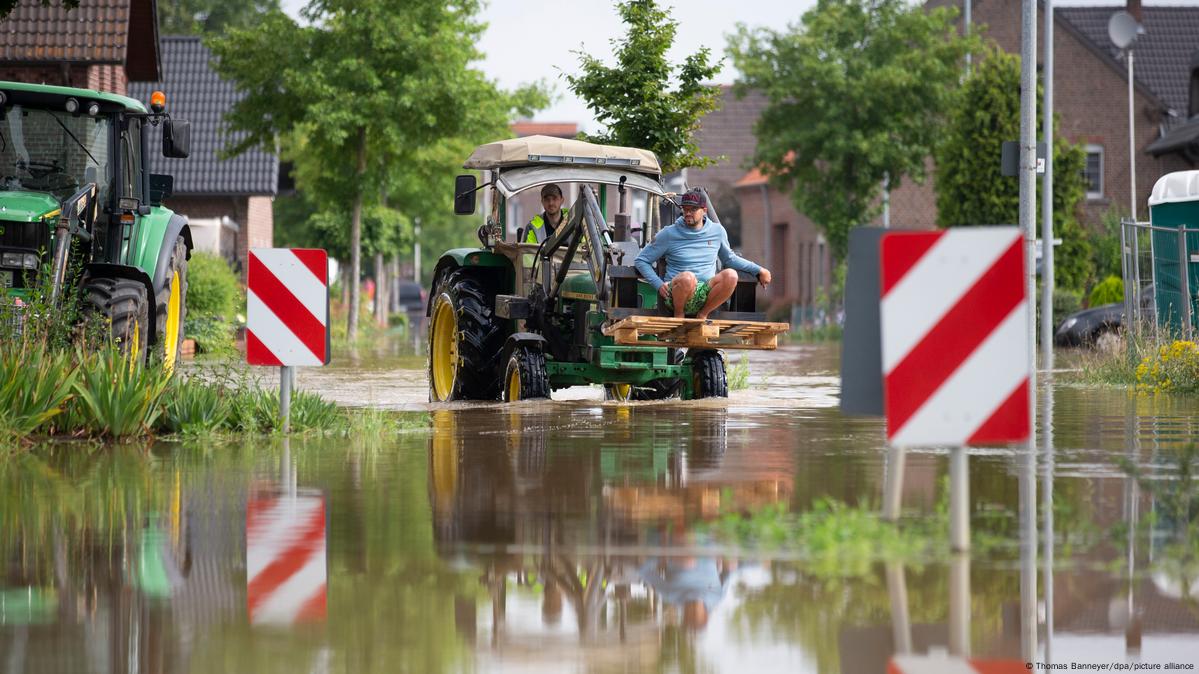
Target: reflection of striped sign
287,307
285,559
948,664
955,337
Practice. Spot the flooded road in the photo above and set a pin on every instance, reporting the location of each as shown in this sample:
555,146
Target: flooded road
580,535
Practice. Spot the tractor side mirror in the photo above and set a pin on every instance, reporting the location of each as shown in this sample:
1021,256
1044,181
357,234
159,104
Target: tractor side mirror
464,194
176,138
161,188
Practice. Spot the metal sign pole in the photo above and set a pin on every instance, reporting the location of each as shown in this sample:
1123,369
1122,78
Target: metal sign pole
285,384
1047,280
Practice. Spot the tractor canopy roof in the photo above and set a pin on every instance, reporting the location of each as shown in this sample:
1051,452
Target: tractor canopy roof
545,151
48,95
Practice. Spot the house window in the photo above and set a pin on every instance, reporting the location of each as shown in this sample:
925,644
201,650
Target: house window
1093,173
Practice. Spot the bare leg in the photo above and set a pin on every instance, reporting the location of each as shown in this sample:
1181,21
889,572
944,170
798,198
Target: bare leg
682,287
721,287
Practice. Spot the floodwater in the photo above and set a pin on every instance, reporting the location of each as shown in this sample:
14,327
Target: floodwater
579,535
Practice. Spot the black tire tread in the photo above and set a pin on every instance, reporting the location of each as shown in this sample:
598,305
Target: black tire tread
480,339
709,375
534,382
122,302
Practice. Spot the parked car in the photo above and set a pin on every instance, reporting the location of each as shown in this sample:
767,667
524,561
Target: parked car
411,297
1087,326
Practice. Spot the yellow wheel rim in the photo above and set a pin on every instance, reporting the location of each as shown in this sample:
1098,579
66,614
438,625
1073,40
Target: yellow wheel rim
513,383
444,346
620,392
171,334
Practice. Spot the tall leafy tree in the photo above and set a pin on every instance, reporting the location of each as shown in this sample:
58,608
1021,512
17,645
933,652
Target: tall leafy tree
643,100
857,93
368,84
969,185
210,17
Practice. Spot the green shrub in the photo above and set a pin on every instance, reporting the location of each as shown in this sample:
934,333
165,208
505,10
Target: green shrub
1173,367
120,395
256,410
213,334
1109,291
739,374
212,287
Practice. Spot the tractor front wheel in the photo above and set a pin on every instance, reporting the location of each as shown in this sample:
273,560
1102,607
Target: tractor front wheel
122,304
618,392
171,301
464,342
525,376
708,376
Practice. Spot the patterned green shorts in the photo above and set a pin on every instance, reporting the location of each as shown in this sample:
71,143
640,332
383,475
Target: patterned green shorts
694,304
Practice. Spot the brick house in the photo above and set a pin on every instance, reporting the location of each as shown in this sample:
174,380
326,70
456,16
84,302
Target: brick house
1090,87
228,202
1091,99
102,44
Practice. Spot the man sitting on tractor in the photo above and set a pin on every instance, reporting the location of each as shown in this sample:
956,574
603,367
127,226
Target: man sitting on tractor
543,225
692,245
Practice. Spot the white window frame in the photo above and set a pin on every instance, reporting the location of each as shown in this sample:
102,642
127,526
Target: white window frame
1095,149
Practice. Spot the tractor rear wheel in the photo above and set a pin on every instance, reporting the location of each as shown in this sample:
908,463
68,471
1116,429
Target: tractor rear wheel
708,376
465,338
122,303
525,377
171,302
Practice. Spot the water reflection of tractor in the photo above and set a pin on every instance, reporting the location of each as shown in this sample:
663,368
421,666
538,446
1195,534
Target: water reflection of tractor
77,193
515,319
585,528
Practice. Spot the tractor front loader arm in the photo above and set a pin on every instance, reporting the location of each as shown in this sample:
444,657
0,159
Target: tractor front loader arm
586,220
77,217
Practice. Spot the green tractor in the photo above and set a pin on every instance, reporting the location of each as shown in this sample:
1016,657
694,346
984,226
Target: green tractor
78,202
514,320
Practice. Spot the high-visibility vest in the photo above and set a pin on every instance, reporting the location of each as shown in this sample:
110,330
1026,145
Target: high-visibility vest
535,232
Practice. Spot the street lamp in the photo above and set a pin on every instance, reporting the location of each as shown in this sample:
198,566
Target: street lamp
1123,29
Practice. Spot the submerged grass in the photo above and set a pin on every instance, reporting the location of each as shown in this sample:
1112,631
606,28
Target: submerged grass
1152,365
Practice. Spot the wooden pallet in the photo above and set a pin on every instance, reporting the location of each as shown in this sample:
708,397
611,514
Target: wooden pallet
695,333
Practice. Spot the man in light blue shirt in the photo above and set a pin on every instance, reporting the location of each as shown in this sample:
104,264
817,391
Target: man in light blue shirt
691,247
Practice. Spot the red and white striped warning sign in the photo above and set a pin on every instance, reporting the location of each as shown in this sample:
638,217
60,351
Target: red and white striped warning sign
955,337
286,571
287,307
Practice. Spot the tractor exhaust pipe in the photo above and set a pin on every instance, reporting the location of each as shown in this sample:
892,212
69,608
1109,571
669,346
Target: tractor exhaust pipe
623,221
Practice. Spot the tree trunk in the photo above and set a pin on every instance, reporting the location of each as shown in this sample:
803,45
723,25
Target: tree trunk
356,241
394,298
382,278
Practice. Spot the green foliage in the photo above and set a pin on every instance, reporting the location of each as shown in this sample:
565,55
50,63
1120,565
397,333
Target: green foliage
35,386
195,407
970,189
739,374
1105,244
118,395
1171,368
256,410
1109,291
210,17
212,287
644,101
370,92
213,335
857,92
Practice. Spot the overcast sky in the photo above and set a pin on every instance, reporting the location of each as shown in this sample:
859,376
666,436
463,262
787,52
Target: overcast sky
529,40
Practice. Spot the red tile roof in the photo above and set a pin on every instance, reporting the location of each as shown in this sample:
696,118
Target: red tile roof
95,32
756,177
557,129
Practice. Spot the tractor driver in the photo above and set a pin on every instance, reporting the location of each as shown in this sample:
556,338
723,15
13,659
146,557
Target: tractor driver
542,226
691,246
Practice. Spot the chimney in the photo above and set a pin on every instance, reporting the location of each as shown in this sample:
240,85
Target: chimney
1133,7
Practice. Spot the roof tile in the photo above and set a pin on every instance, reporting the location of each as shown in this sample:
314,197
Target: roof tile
196,93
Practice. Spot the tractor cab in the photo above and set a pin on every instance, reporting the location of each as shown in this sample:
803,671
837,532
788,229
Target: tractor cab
76,193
